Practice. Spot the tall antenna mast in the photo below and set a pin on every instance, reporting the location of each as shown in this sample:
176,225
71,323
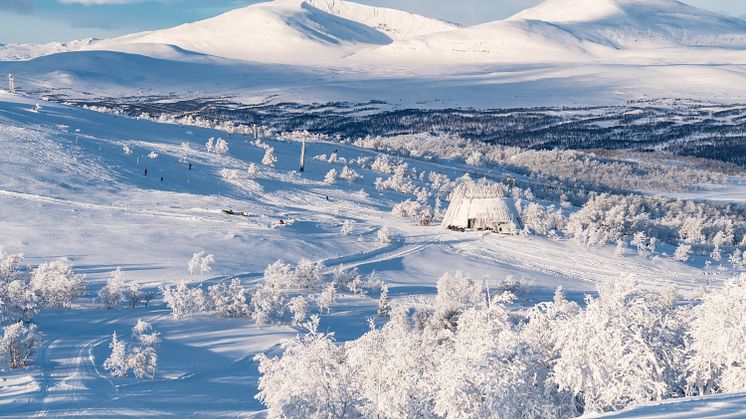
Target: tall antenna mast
11,84
303,156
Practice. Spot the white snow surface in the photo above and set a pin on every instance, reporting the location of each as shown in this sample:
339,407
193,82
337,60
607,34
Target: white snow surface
562,52
67,190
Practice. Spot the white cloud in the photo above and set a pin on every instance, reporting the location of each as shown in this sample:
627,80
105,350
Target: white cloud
95,2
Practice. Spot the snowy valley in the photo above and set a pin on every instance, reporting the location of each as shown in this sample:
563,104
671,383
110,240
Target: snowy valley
316,209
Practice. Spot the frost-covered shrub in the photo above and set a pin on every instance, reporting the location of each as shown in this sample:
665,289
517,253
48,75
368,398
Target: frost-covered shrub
18,343
113,292
200,261
349,175
116,363
327,297
57,284
331,177
382,164
230,301
625,347
140,357
412,209
182,300
252,171
269,158
348,279
268,305
278,276
457,291
221,146
229,174
18,301
718,331
307,274
384,306
682,252
320,388
133,295
298,307
385,235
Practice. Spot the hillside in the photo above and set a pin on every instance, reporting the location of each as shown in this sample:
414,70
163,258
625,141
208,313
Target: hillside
640,24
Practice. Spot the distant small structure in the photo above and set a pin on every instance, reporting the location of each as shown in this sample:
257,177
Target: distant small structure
482,206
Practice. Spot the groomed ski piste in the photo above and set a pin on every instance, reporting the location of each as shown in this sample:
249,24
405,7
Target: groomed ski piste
69,191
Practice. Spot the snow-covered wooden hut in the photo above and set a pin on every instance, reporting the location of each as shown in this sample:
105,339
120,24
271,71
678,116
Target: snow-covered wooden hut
482,206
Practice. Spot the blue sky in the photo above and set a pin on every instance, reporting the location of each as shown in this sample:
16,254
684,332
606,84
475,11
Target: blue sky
54,20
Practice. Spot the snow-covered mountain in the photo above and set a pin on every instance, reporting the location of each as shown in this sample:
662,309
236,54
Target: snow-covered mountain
636,24
572,31
289,31
607,50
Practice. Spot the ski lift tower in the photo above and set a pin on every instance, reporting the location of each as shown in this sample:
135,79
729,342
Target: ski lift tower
303,156
11,84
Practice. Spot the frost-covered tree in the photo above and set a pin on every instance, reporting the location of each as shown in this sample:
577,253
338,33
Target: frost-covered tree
625,347
268,305
321,387
116,363
18,301
143,359
229,300
298,307
350,175
269,158
736,259
133,295
348,279
384,307
113,292
18,344
278,276
682,252
327,297
200,261
718,329
221,146
331,177
152,155
252,171
210,145
307,274
640,241
57,284
385,235
182,300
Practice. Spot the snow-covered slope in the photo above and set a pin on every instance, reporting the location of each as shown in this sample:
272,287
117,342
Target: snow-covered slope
523,41
14,52
289,31
572,31
635,24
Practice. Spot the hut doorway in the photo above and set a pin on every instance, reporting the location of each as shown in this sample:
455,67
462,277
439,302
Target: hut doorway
471,222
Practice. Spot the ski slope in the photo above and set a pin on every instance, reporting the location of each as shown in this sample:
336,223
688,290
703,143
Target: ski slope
68,190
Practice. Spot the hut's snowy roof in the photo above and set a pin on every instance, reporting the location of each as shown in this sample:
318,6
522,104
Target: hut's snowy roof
486,202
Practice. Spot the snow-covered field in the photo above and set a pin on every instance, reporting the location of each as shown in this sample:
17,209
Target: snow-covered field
68,190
